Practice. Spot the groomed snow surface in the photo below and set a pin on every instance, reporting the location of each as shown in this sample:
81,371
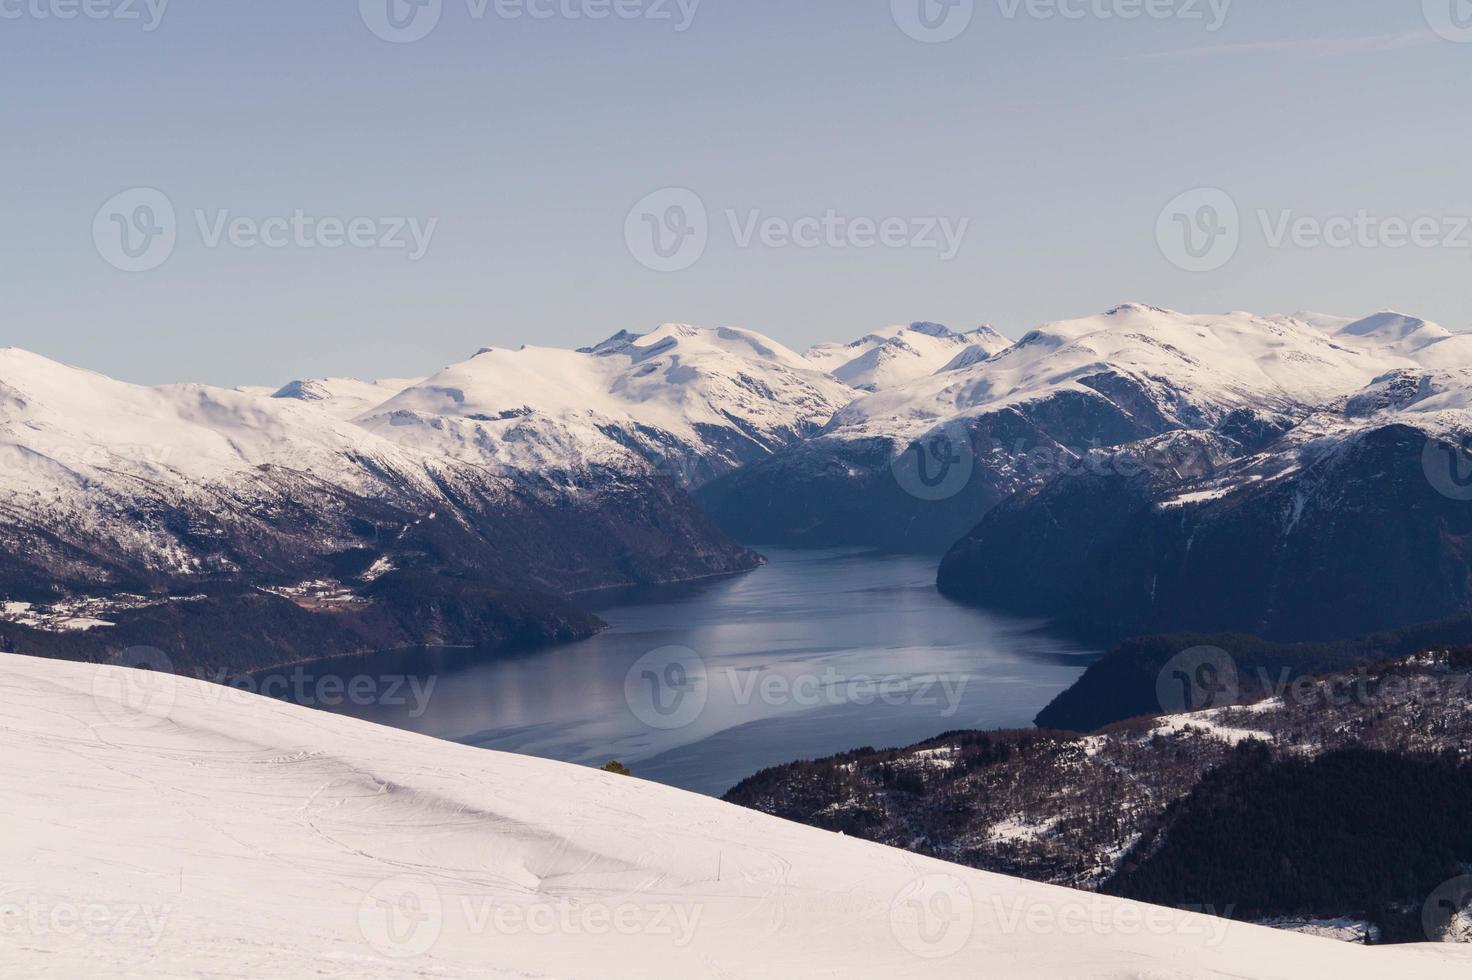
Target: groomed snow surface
163,827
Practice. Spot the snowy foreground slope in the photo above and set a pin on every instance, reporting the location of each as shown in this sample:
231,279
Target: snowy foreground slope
180,829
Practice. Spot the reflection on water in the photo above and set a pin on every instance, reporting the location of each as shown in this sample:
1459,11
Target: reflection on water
817,653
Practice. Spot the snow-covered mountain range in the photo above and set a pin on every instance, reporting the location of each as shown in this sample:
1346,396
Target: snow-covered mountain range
118,485
1182,396
169,828
113,486
898,354
690,402
1323,492
531,472
565,470
343,398
1190,370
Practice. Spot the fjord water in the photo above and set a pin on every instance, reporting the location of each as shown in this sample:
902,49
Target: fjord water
816,653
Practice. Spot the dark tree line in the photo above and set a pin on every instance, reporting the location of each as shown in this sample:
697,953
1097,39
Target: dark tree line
1354,832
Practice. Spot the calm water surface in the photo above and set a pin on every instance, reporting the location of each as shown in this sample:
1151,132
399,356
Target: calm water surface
817,653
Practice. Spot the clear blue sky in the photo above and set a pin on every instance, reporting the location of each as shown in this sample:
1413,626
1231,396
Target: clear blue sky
530,140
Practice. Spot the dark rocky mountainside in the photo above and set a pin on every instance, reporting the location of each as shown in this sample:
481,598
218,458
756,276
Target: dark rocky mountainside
1358,539
1109,811
285,527
236,529
843,492
1365,833
1126,682
231,630
486,562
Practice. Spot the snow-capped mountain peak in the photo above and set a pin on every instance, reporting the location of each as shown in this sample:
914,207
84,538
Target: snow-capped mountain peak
974,354
1328,322
1396,330
344,398
930,329
101,426
690,400
1388,326
897,355
1127,309
1195,367
1425,343
618,341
